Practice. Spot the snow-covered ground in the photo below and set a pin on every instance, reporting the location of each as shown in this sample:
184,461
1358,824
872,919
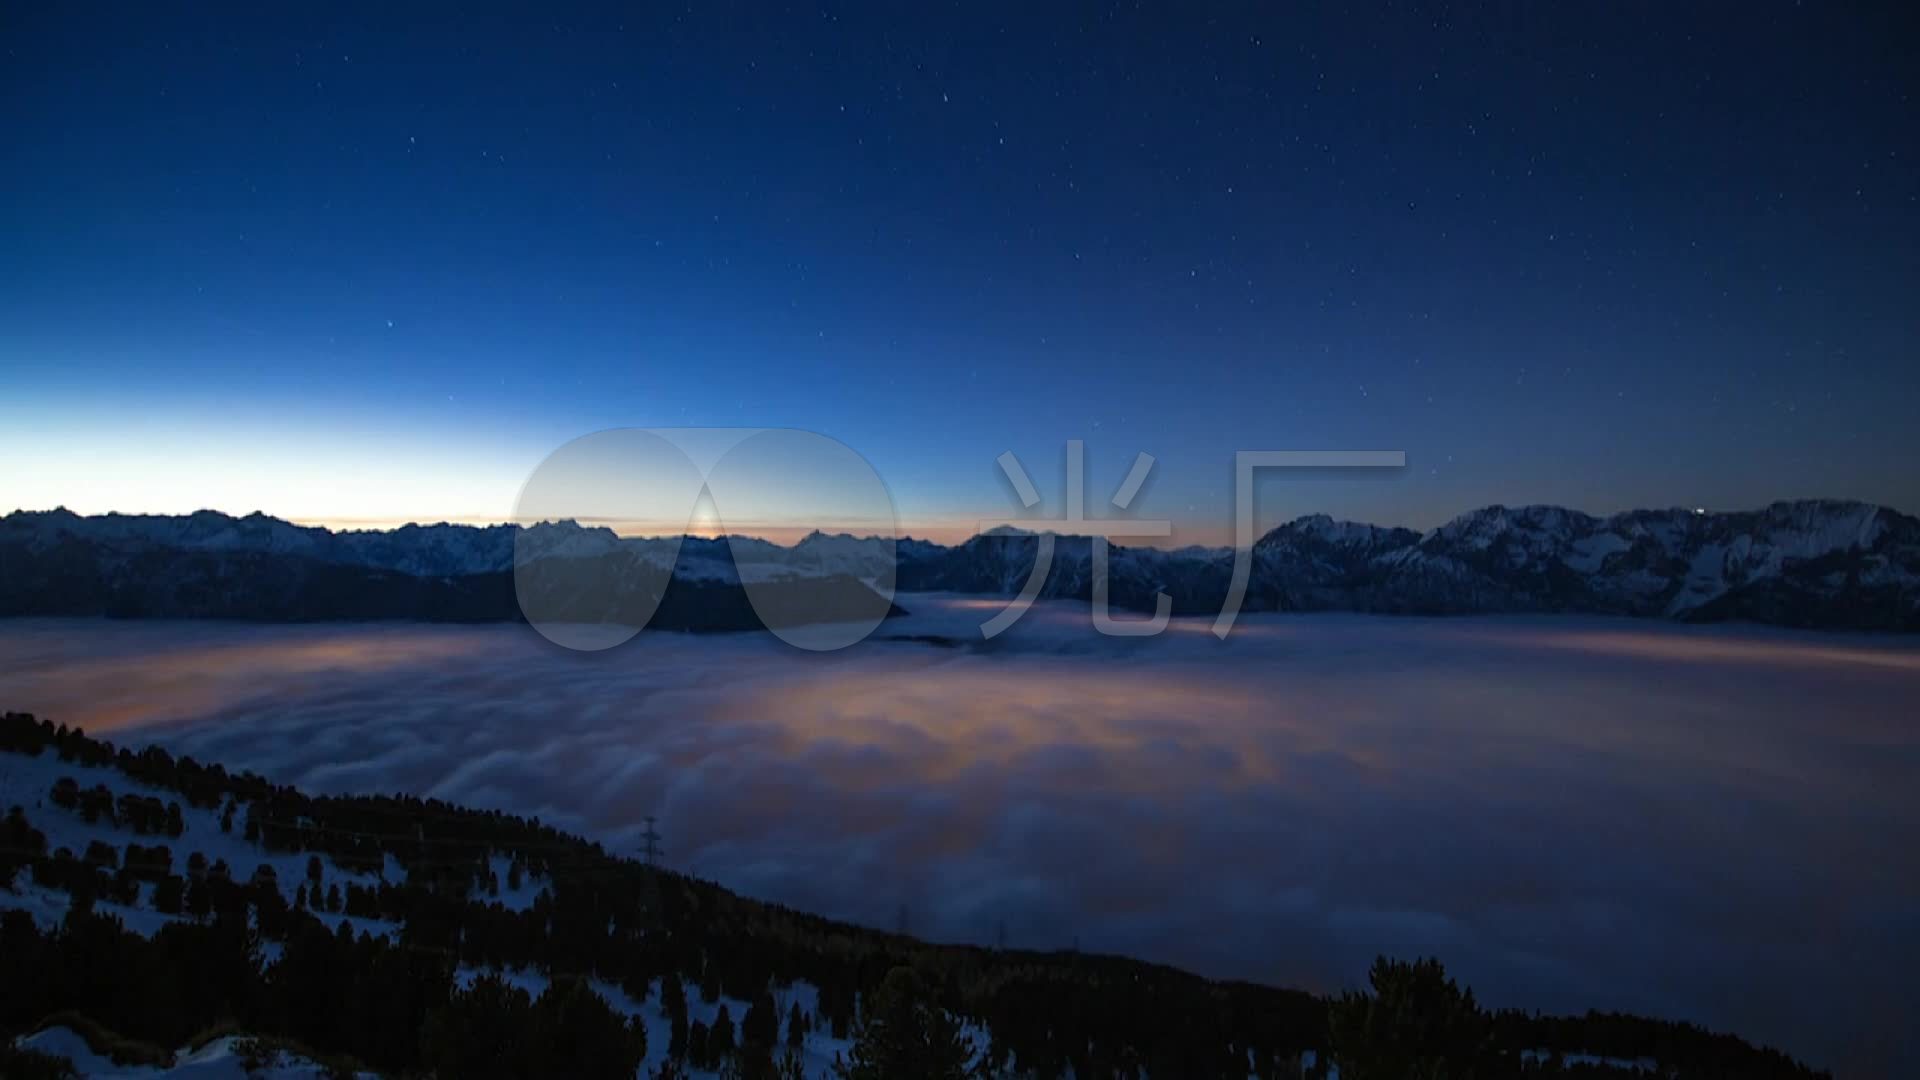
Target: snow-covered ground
816,1055
221,1059
28,780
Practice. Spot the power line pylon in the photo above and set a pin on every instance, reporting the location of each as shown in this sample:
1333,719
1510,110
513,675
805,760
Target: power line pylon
650,853
650,850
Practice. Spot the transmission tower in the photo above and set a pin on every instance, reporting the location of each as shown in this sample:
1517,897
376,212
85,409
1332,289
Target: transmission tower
650,853
650,850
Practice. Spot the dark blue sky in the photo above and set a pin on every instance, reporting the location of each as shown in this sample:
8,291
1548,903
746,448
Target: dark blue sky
372,262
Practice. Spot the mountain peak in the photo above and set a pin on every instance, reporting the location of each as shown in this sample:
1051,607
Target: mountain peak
1327,529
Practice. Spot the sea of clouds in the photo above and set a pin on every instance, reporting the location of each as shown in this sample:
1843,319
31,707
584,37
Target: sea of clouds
1713,824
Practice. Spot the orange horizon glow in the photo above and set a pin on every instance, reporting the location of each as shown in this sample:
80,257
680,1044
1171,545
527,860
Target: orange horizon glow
942,531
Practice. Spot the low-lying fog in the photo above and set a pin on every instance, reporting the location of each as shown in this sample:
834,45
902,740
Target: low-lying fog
1715,824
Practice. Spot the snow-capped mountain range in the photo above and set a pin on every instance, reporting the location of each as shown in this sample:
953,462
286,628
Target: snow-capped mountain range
1817,563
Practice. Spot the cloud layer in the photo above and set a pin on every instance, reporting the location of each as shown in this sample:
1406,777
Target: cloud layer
1708,824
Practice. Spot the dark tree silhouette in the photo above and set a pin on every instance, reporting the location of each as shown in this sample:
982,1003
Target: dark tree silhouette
1415,1024
905,1032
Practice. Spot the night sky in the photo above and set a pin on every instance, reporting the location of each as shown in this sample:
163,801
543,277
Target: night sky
370,263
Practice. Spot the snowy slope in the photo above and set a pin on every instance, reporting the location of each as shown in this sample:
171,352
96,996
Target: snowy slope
27,781
221,1059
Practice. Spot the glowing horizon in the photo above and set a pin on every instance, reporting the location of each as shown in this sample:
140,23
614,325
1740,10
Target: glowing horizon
947,532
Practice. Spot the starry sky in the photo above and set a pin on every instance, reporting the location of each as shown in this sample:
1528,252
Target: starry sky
371,263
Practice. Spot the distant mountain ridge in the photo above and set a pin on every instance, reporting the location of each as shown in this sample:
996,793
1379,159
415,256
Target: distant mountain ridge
1822,563
1815,563
214,565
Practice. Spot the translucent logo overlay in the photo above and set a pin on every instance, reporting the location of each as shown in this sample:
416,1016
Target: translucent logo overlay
723,528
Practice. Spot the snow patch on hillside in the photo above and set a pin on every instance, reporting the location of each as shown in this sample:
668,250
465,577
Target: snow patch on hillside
219,1059
27,781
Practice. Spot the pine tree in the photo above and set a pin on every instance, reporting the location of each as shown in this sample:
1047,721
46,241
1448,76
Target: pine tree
169,895
583,1036
673,999
761,1026
1416,1023
480,1032
905,1032
720,1036
199,898
697,1046
796,1027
